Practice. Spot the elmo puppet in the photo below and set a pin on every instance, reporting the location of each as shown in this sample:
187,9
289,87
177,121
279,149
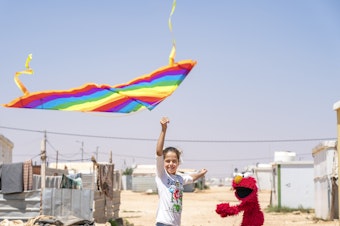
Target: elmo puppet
245,191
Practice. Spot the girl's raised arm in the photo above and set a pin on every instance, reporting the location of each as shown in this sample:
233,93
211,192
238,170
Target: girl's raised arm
160,143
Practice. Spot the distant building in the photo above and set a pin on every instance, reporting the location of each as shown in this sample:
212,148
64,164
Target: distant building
143,179
74,167
263,174
6,150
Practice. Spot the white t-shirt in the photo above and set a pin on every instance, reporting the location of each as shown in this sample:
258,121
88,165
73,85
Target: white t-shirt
170,192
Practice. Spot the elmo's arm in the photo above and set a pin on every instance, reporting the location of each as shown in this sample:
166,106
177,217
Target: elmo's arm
224,210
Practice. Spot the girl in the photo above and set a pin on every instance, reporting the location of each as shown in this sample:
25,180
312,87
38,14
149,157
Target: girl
169,183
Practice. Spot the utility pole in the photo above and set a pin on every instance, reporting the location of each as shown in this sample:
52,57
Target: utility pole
82,151
97,152
57,159
43,169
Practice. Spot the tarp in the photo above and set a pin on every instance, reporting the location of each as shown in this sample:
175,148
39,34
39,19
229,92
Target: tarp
11,178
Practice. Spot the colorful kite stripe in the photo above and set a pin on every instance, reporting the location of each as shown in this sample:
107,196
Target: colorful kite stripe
144,92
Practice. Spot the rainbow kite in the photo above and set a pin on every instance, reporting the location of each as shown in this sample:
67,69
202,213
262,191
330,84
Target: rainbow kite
144,92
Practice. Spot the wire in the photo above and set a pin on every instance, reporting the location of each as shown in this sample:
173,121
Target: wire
49,143
174,140
70,160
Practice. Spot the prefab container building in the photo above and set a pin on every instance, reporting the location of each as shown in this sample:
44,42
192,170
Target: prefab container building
263,175
143,178
293,185
325,180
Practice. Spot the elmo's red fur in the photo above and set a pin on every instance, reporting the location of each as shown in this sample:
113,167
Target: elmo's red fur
246,192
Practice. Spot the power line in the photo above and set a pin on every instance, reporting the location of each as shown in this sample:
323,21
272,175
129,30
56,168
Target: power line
70,160
49,143
177,140
173,140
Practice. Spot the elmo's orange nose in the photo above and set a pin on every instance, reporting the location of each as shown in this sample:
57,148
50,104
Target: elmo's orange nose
238,179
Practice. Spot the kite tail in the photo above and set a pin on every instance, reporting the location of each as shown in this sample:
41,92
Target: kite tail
28,71
173,49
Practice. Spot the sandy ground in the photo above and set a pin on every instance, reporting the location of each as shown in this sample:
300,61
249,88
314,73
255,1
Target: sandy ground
199,209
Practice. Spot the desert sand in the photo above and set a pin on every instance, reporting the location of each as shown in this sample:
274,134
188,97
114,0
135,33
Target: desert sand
199,206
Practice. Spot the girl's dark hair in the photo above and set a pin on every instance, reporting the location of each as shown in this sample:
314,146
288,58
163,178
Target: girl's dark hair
172,149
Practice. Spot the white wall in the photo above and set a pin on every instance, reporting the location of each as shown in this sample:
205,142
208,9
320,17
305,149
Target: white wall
325,174
297,185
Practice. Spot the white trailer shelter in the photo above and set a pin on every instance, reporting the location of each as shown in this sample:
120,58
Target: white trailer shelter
293,185
263,174
325,180
143,178
336,107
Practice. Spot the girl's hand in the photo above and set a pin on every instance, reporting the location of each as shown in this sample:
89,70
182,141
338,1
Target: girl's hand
204,171
164,122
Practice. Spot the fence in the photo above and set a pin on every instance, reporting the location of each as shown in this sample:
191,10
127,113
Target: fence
87,203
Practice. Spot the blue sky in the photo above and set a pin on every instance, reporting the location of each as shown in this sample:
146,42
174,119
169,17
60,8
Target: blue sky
266,71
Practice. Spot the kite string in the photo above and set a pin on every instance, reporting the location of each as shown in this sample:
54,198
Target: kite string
173,49
28,71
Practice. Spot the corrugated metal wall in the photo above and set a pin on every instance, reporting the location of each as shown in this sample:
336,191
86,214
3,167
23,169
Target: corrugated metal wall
20,206
105,208
83,203
68,202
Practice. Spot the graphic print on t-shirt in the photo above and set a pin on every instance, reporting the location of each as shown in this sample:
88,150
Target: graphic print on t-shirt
176,190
